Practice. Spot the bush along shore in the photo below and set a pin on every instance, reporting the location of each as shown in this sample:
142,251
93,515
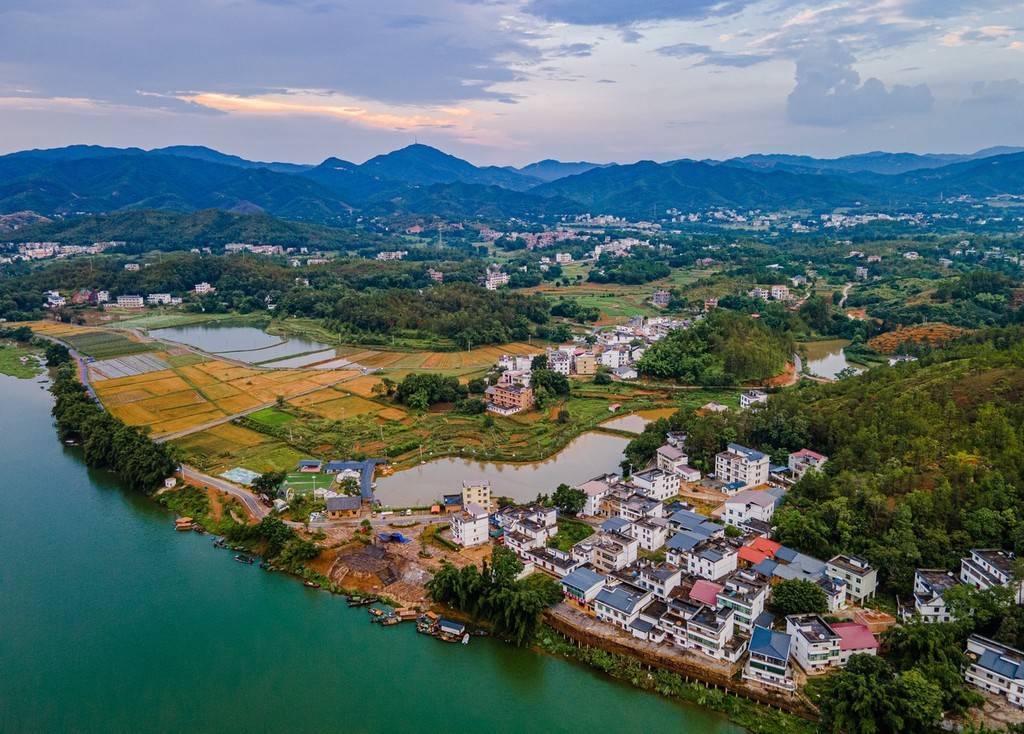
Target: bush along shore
755,717
107,442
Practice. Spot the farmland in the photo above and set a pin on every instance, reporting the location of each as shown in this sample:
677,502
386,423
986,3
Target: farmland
933,334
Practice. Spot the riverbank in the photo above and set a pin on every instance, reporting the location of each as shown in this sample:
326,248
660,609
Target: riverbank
20,360
149,629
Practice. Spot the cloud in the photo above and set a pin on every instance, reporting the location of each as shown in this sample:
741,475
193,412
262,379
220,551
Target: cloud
710,57
576,50
1002,94
829,92
984,34
390,52
626,12
630,35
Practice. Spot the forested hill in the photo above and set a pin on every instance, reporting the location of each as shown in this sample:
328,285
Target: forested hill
167,230
725,348
926,459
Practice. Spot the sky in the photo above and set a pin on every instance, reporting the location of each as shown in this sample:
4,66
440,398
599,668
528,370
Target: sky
508,82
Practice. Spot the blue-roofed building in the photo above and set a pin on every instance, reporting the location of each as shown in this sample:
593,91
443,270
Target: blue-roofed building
616,525
766,567
694,522
621,605
309,465
769,659
582,586
996,668
786,554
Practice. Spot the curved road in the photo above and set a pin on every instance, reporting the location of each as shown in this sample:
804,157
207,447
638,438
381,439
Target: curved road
195,477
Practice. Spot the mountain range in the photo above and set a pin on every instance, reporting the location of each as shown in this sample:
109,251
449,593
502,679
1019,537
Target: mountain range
423,181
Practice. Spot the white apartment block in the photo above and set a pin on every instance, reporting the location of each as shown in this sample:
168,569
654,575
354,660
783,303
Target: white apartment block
996,668
738,464
470,526
130,302
861,579
815,644
750,504
986,568
656,484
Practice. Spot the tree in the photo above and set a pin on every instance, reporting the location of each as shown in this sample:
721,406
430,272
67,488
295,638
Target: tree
268,482
601,377
569,499
539,362
554,382
798,596
856,699
279,401
56,354
563,416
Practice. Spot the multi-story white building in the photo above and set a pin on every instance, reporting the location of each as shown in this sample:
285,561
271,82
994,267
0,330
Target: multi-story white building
203,288
712,632
650,532
130,302
986,568
711,558
560,362
745,592
582,586
659,578
671,459
656,484
470,526
607,552
738,465
861,579
750,504
995,668
477,493
597,490
779,292
815,644
769,659
131,267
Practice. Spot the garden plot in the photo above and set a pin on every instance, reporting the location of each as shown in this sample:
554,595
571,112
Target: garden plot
129,366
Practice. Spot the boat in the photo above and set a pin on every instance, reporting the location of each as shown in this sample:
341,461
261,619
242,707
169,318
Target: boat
449,631
465,639
426,623
310,584
242,558
220,543
389,620
361,601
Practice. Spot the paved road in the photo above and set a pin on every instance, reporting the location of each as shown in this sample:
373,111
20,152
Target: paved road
193,476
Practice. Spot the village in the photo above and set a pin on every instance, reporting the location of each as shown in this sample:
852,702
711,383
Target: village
680,567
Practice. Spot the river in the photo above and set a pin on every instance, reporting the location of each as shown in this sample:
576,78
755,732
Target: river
587,456
112,622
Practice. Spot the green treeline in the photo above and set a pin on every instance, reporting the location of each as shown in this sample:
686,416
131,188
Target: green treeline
722,349
107,442
493,594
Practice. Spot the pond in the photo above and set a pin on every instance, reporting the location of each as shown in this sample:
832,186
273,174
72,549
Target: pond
587,456
244,343
826,358
636,422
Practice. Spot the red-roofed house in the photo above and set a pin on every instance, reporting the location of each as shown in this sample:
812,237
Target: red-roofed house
758,550
804,459
854,639
706,592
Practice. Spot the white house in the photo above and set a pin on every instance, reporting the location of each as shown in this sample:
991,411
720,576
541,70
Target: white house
470,526
753,397
986,568
596,490
750,504
650,532
854,639
996,668
742,466
659,578
769,659
711,631
929,586
671,459
606,552
800,462
861,579
711,558
815,644
621,604
202,288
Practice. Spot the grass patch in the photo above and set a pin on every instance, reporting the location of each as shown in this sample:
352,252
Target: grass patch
105,344
18,361
569,533
272,417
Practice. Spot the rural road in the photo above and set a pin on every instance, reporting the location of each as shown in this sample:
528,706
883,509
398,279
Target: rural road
195,477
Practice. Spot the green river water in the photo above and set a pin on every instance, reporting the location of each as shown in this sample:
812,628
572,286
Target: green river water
112,622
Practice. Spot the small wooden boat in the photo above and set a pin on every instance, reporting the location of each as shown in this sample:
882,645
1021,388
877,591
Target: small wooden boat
242,558
310,584
390,620
361,601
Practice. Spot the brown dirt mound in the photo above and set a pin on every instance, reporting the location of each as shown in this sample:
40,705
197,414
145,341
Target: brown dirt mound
934,334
